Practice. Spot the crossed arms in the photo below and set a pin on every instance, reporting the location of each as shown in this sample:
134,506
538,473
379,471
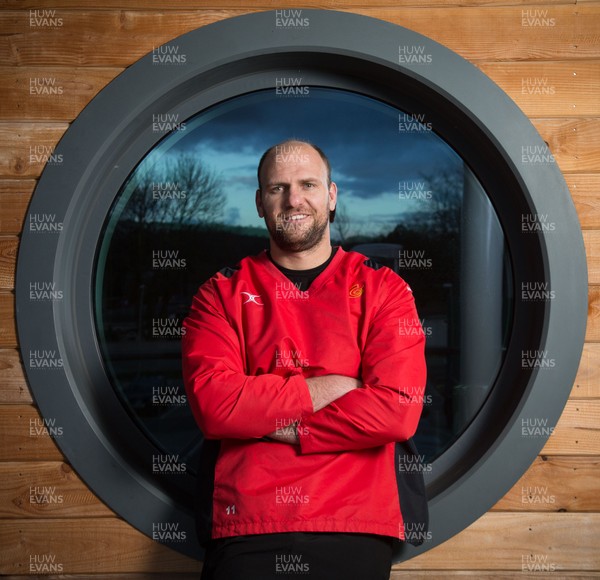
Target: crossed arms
323,391
325,414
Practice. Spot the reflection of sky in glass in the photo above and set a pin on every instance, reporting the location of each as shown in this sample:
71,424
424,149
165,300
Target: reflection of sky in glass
369,153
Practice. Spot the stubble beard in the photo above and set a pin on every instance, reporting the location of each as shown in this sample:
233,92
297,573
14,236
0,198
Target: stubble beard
291,237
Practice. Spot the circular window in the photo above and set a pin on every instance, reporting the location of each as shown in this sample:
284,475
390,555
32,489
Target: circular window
441,178
407,200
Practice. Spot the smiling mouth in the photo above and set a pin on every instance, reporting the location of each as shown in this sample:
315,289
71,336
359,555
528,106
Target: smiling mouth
294,217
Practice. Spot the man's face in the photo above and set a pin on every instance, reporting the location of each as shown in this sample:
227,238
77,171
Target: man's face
295,200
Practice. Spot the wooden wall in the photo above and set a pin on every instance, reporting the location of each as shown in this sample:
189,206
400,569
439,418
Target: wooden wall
554,521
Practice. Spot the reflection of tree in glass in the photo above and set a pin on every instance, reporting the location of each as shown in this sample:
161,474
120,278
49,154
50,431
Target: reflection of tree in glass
181,191
446,201
340,228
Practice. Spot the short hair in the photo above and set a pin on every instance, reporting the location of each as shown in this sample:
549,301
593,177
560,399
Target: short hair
273,147
321,153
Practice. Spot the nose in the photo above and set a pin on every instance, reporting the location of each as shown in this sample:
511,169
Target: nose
295,195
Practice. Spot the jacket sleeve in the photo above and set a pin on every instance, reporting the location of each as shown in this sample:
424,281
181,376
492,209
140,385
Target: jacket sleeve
226,402
388,406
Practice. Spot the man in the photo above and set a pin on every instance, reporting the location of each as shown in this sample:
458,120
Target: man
303,384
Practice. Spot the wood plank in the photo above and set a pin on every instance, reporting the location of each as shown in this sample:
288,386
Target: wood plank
8,328
119,38
549,89
24,435
13,387
14,199
96,37
575,143
26,147
576,432
556,484
585,190
593,322
8,261
591,239
51,93
506,32
505,541
260,4
46,489
587,381
89,546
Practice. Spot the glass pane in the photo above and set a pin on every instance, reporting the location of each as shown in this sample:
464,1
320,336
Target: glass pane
406,199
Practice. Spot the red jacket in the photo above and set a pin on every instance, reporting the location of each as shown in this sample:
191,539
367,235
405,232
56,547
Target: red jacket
251,340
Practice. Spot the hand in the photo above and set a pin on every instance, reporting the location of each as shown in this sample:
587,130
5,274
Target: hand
287,434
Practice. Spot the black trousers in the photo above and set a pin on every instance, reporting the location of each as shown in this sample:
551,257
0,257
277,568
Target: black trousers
293,555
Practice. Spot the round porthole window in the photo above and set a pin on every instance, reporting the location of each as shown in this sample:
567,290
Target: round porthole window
441,178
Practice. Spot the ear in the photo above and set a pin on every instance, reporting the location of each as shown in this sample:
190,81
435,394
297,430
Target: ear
332,196
259,206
